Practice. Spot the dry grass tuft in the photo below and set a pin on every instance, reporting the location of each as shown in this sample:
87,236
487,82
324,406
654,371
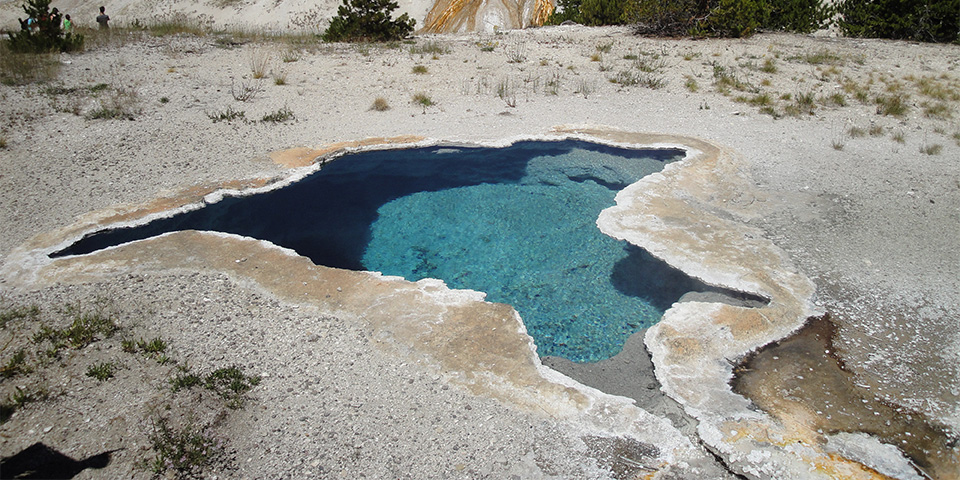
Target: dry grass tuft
380,105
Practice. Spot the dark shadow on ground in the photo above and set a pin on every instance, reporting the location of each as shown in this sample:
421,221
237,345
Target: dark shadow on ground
41,461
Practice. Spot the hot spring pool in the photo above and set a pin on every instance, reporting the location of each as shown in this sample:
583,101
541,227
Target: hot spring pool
518,223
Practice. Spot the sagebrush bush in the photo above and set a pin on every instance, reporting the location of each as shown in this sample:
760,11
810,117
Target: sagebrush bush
368,20
924,20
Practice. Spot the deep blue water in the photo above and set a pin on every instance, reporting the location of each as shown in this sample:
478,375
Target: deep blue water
518,223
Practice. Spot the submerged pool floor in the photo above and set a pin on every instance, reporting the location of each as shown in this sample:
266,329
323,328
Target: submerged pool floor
518,223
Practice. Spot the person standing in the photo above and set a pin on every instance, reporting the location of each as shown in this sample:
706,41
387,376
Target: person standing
67,24
103,18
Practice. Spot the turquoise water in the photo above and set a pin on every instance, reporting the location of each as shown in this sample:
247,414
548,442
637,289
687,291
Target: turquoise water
518,223
533,244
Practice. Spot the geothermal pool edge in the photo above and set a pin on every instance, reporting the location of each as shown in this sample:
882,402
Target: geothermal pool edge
690,215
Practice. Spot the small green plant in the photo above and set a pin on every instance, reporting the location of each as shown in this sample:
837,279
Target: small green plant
761,100
368,20
17,365
423,100
506,90
939,110
3,141
101,371
487,45
184,451
430,47
380,104
120,105
803,103
231,384
227,115
177,23
626,78
769,66
649,65
280,78
875,130
899,137
770,110
931,149
18,399
725,78
419,69
164,100
18,313
87,327
822,57
836,99
552,84
856,132
652,80
157,345
184,380
280,116
892,105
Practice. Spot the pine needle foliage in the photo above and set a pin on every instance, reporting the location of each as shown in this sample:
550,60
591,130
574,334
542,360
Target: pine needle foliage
368,21
923,20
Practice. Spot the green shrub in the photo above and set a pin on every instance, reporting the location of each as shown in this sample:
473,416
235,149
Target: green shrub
368,20
603,12
801,16
567,10
48,37
667,17
726,18
925,20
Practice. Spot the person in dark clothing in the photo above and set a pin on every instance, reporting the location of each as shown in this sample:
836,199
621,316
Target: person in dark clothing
103,18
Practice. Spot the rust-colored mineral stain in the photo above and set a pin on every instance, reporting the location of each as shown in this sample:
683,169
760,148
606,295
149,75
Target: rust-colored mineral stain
801,382
448,16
